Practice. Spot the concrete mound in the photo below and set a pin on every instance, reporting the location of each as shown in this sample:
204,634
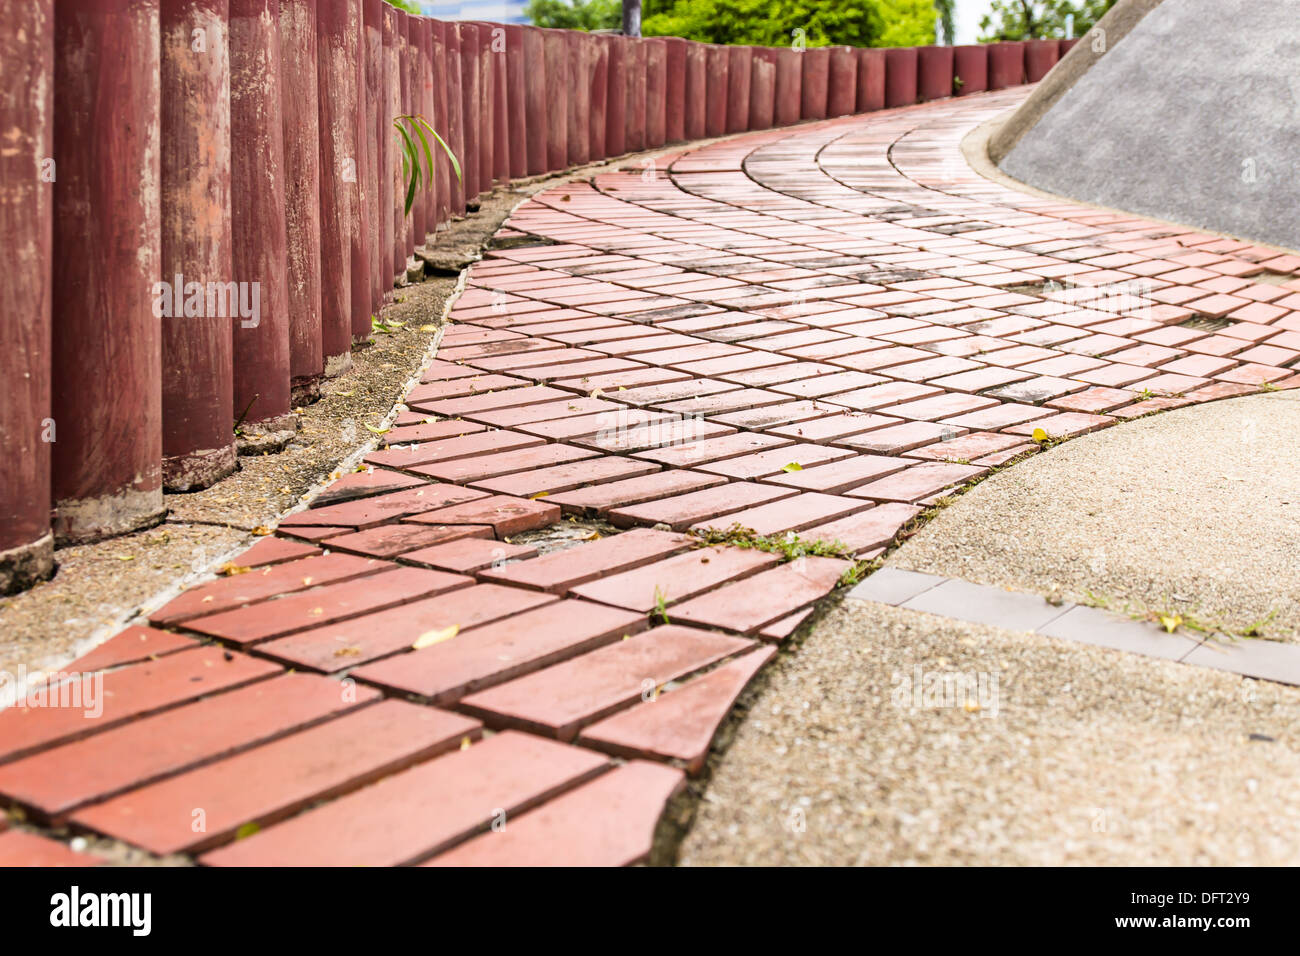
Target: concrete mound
1184,110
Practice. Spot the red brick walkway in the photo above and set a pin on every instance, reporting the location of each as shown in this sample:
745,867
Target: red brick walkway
817,330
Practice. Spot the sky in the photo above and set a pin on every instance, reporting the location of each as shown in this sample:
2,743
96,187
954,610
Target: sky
968,15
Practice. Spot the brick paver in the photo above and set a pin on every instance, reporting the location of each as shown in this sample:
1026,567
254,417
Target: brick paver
816,330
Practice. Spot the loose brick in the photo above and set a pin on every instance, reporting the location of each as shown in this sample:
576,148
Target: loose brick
764,598
897,439
578,474
262,583
505,463
20,848
271,782
916,483
674,579
274,551
369,512
468,555
390,540
56,781
423,810
560,700
429,431
340,646
691,454
682,511
504,514
559,571
364,484
833,427
608,822
789,514
598,500
450,449
680,724
503,650
765,464
131,645
839,476
90,704
326,605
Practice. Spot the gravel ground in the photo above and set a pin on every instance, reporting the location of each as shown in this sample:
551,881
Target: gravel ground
1076,755
1196,511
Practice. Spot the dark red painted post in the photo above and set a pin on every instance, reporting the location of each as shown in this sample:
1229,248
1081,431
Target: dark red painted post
740,64
656,92
516,107
388,187
470,116
455,115
1006,65
816,79
362,282
717,87
675,89
27,110
417,221
536,99
487,108
500,104
301,124
842,81
1065,46
377,138
789,86
428,110
407,225
901,76
440,120
198,439
635,61
598,95
1040,57
107,394
970,65
616,100
557,98
578,115
871,80
762,88
257,219
694,122
934,71
335,80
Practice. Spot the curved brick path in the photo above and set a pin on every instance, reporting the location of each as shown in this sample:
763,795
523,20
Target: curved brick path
654,348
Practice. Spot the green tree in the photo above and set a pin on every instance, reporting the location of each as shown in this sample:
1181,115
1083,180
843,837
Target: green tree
947,31
408,5
781,22
576,14
1040,19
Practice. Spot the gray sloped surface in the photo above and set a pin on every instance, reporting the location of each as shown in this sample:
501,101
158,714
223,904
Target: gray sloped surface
1194,118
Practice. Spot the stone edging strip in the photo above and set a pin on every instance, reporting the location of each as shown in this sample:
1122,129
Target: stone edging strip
1020,611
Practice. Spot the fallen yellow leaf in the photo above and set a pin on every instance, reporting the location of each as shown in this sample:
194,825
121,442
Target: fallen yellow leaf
429,638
